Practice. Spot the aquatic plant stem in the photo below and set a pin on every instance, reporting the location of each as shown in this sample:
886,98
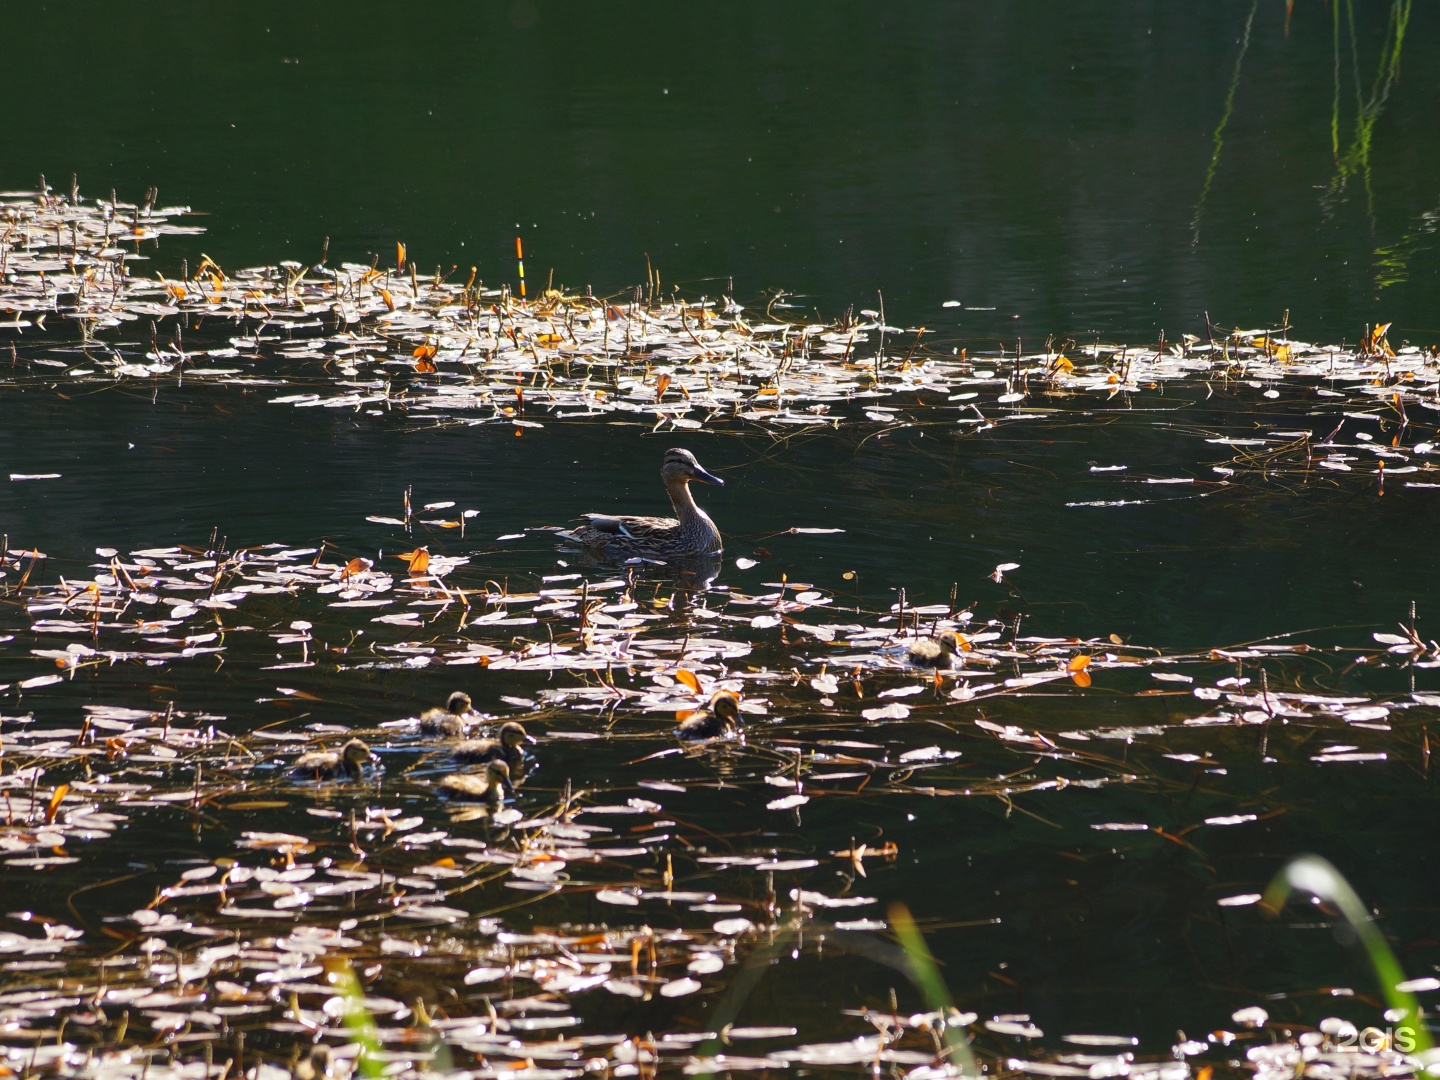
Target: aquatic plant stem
926,975
1318,877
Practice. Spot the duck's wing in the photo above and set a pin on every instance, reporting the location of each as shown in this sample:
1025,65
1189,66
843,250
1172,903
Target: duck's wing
605,528
631,526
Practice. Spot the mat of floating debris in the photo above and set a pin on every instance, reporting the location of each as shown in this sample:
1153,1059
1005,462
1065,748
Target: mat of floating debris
441,350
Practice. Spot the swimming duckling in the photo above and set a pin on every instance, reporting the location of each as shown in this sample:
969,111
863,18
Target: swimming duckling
509,747
934,652
317,1066
689,534
490,786
349,763
449,721
720,717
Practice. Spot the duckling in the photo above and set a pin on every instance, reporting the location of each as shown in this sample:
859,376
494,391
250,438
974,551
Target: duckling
720,717
449,721
509,748
490,786
349,763
934,652
689,534
317,1066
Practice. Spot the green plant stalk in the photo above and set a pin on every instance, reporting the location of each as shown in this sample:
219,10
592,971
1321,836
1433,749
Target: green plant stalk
358,1020
926,975
1314,875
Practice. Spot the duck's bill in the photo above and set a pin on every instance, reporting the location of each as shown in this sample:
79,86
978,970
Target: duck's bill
707,477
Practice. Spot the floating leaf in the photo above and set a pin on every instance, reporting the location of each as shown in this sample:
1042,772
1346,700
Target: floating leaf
417,560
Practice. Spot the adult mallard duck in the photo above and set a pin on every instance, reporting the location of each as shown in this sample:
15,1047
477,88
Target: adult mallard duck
350,763
690,534
720,717
934,652
490,786
451,720
509,747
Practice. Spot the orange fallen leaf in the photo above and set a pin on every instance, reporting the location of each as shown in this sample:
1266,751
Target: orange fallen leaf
1080,678
389,300
419,559
355,566
399,257
1078,663
688,678
55,800
1377,344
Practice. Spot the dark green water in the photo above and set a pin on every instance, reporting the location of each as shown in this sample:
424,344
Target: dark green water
1041,162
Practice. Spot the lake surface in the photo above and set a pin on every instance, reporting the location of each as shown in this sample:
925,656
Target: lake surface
1100,176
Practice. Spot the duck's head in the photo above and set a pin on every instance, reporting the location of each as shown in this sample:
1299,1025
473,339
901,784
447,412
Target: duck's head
498,772
949,641
459,703
513,735
356,755
680,465
726,705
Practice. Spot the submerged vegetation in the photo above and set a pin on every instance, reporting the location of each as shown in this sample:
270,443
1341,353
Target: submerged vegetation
344,890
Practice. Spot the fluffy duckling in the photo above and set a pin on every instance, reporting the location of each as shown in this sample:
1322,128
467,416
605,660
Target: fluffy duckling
449,721
317,1066
490,786
934,652
720,717
509,747
349,763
